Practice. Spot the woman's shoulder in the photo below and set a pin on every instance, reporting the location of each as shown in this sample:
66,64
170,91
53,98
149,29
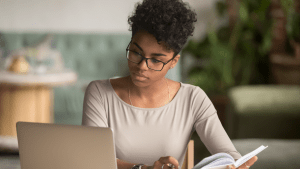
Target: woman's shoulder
191,88
100,86
185,90
118,82
96,83
119,86
193,92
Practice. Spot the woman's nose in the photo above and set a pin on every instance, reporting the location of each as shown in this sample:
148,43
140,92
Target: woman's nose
143,65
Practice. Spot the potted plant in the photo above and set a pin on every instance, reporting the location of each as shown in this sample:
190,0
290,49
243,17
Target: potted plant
286,65
227,58
293,28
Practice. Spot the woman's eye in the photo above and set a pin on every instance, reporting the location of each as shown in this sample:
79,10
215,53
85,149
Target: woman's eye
154,61
136,53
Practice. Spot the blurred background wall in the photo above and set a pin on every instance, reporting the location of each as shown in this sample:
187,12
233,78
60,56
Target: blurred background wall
250,71
83,15
25,21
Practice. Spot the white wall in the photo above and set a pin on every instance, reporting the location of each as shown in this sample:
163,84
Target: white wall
83,15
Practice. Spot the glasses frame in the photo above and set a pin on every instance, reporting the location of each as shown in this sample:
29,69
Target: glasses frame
144,58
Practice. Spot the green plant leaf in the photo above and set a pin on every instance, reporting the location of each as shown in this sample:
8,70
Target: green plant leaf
233,54
221,60
221,7
212,37
288,6
266,44
263,7
198,49
204,80
235,35
223,34
294,27
243,11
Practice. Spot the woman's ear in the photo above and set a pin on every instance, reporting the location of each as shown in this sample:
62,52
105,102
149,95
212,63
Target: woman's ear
174,61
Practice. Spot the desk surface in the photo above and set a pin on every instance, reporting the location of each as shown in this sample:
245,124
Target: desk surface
49,79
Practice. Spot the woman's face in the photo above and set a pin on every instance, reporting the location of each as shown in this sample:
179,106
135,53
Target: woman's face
146,45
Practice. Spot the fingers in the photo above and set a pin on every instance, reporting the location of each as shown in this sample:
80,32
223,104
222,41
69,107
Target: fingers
246,165
250,162
159,165
167,162
230,167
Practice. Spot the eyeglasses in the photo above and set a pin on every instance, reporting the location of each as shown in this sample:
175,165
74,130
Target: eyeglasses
137,58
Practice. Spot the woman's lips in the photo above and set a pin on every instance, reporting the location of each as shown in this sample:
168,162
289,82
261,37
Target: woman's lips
140,77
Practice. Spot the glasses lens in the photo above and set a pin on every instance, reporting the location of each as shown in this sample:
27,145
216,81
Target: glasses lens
155,64
151,63
133,56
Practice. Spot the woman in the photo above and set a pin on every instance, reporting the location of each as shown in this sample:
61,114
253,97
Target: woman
154,117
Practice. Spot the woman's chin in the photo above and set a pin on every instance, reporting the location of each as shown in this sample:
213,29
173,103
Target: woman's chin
140,82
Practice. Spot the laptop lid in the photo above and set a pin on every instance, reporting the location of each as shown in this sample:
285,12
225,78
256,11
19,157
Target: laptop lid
59,146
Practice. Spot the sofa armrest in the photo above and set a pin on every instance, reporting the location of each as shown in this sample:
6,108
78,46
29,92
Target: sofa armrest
264,111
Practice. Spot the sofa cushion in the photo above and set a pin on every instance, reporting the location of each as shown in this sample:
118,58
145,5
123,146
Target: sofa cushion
263,99
263,111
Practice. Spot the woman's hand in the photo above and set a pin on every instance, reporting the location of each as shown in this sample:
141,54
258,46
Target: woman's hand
164,163
246,165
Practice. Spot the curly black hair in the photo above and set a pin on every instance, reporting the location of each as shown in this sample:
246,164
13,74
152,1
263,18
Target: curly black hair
169,21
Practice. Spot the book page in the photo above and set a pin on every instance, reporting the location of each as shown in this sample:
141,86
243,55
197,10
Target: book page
221,160
215,159
219,163
248,156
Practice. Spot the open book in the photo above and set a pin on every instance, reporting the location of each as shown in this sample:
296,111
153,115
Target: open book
221,160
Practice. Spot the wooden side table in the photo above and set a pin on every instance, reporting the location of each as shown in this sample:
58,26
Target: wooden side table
29,97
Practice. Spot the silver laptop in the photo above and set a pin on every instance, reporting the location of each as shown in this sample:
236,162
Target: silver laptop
49,146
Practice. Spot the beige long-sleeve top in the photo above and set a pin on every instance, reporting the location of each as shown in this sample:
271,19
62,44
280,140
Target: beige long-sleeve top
143,135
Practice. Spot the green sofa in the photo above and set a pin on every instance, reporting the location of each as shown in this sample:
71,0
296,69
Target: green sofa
92,56
264,111
266,115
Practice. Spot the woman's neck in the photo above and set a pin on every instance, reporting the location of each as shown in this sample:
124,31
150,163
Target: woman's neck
153,91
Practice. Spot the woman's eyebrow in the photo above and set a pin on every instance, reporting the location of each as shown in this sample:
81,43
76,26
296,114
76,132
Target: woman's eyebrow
155,54
138,46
